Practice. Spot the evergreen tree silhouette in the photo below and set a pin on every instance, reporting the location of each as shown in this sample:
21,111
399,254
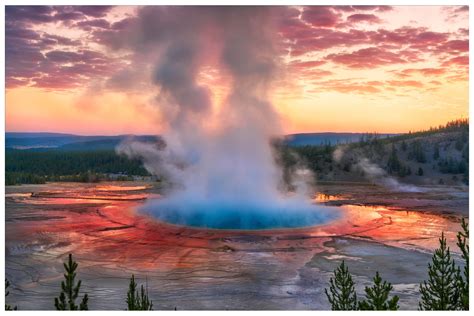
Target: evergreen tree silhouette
377,296
393,164
136,301
342,294
70,290
463,279
8,307
440,291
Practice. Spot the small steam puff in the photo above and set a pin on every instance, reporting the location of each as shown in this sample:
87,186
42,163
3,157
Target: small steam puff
375,174
225,176
338,153
378,176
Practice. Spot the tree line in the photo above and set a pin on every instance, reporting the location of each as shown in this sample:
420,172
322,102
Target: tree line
33,167
36,167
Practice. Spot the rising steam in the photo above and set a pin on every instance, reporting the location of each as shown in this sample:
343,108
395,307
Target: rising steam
219,160
379,176
375,174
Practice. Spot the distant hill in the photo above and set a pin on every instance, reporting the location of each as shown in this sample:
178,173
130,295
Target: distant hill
35,135
104,143
316,139
39,140
67,142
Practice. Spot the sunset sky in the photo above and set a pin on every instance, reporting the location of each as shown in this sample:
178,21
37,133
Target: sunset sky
75,69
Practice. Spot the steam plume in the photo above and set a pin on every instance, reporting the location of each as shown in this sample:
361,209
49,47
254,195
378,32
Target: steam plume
224,176
379,176
375,174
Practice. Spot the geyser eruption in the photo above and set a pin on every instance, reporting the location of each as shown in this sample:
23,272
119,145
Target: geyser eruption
219,160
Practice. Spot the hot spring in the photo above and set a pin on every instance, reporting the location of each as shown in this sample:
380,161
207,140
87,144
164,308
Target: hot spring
215,214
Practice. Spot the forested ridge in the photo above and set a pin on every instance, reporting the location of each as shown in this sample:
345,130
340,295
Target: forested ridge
24,166
435,156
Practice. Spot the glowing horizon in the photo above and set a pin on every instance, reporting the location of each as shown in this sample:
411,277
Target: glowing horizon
343,69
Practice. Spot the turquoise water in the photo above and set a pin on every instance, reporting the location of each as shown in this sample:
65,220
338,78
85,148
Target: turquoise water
244,216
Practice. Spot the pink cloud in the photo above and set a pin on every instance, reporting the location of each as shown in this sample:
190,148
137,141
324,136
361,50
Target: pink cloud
454,46
306,64
348,86
425,71
460,60
39,55
321,16
95,23
322,38
409,35
405,83
360,17
367,58
380,8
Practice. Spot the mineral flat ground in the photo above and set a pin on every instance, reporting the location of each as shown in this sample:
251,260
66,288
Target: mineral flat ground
189,268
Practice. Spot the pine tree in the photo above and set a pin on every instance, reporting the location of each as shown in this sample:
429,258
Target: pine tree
8,307
377,296
463,279
70,290
131,295
343,295
436,152
135,301
440,292
145,303
417,152
393,164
